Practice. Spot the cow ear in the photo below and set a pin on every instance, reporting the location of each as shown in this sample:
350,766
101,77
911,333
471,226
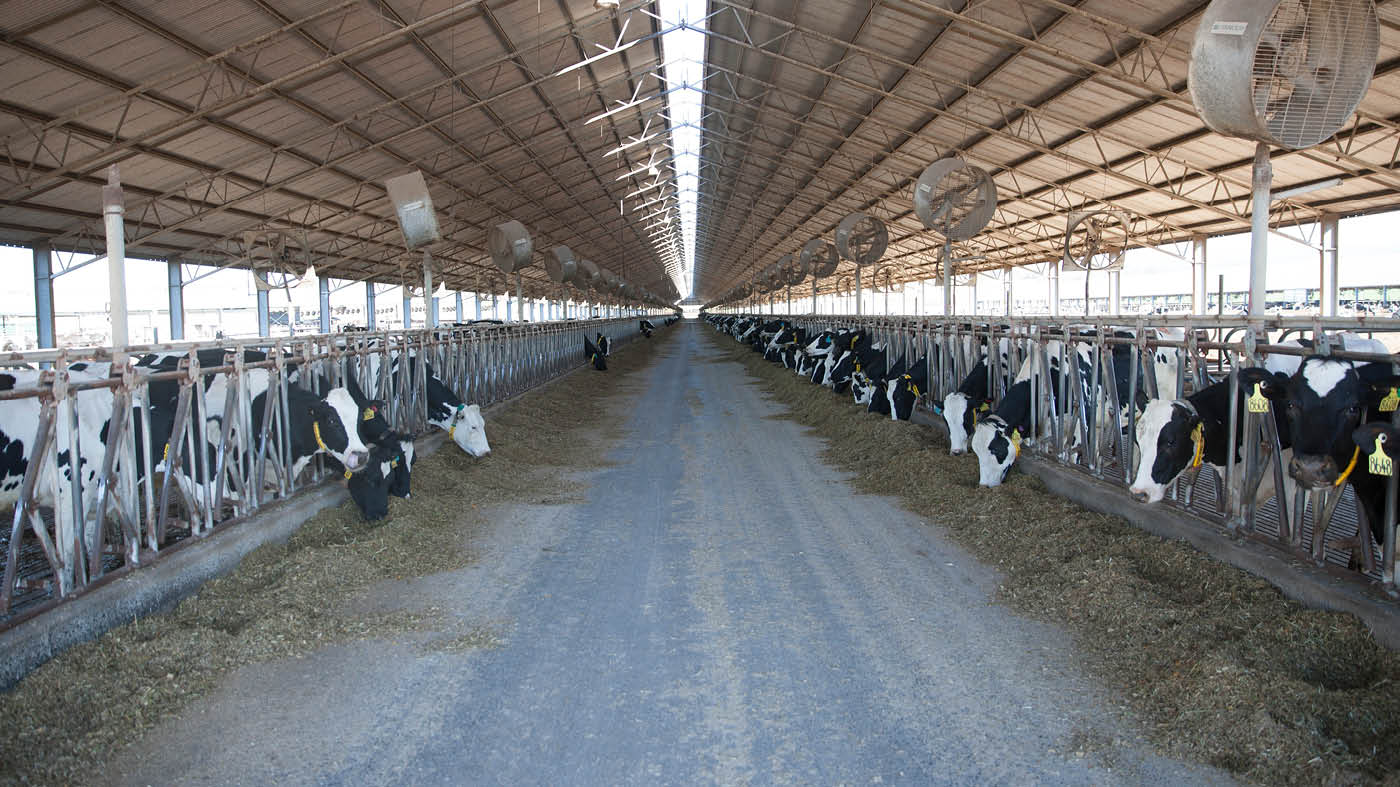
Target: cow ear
1385,392
1272,384
356,394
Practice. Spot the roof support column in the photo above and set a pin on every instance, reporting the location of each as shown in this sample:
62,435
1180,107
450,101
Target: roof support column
113,209
975,278
1259,230
43,294
176,285
1010,295
264,315
1115,292
407,308
458,312
858,309
1328,259
369,305
323,293
1052,277
1200,299
948,303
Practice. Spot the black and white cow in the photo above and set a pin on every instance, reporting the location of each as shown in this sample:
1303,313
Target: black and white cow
903,391
388,472
646,328
1168,442
595,355
604,346
960,407
880,384
996,438
1324,401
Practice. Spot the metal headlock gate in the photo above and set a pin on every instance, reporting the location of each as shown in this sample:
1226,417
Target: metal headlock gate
54,551
1211,350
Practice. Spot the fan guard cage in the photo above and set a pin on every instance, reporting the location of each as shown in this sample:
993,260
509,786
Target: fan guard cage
861,238
1286,72
1096,240
820,258
954,198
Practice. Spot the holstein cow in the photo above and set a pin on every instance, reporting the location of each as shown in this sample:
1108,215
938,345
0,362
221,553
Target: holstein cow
996,439
904,390
386,473
594,355
646,328
960,407
1175,435
1324,401
604,346
879,399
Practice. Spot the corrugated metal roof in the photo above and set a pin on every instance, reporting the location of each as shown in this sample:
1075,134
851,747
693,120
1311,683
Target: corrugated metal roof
234,116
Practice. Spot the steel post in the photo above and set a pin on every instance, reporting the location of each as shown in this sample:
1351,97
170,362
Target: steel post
113,215
369,305
1115,292
1328,258
1200,299
264,315
43,294
323,294
1259,229
176,299
1052,279
407,309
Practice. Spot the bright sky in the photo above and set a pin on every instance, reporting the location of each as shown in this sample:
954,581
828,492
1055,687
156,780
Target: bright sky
684,53
1368,256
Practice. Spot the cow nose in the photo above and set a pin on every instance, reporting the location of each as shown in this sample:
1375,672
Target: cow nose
355,459
1139,495
1312,470
958,452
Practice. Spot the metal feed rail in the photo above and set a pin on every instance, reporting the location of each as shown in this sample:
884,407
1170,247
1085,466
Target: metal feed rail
1213,348
52,553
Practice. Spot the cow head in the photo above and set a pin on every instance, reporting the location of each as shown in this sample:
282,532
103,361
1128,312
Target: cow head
1324,401
372,423
326,420
960,413
467,429
996,444
595,354
1169,440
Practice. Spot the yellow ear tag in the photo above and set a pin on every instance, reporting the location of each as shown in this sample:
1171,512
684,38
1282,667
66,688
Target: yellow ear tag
1016,441
1379,463
1391,402
1258,403
984,407
1198,436
369,414
347,475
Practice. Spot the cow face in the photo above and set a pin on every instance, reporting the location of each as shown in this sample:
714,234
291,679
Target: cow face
468,430
371,424
1168,442
329,417
996,446
1323,401
960,416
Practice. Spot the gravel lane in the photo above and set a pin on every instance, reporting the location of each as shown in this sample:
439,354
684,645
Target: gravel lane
721,608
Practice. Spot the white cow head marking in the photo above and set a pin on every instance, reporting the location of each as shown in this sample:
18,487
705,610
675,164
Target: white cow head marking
355,454
996,445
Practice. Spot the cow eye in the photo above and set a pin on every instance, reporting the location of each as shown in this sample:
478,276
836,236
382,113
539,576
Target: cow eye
1354,411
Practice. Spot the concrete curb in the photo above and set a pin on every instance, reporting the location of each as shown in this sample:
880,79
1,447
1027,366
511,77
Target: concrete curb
1297,579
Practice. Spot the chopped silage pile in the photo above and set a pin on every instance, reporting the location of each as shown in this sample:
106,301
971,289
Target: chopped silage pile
1219,666
62,722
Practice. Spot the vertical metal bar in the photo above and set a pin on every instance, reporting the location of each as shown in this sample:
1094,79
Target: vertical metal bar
1327,263
1199,297
369,306
264,317
175,282
43,294
323,293
113,216
1259,229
